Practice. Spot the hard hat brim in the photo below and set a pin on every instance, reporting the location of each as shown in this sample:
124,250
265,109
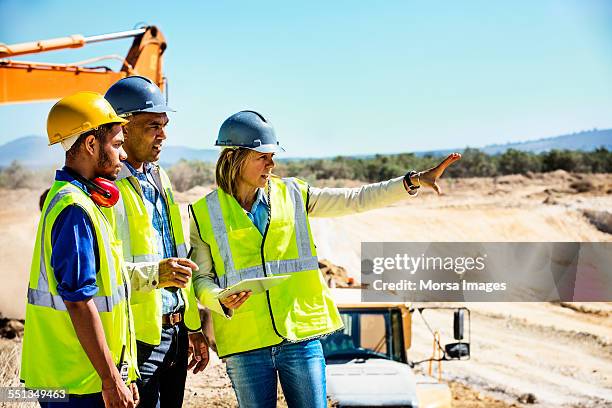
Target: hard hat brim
268,148
118,120
156,109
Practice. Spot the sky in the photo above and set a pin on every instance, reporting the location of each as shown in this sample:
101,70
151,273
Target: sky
351,77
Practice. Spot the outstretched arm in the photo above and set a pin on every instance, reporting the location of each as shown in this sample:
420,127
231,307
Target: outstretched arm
333,202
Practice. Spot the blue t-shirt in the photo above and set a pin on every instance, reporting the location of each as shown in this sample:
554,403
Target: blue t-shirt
74,257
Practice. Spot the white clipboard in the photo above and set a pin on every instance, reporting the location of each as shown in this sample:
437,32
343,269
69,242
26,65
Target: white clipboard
255,285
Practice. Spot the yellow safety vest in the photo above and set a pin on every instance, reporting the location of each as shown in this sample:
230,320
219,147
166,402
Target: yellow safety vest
299,309
52,355
143,247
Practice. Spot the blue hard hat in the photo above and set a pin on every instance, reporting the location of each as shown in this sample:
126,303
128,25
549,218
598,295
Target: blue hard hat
248,129
136,94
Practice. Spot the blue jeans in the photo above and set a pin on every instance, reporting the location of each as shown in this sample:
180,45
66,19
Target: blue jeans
300,367
163,369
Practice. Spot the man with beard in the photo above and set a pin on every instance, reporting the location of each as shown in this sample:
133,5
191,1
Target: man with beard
79,334
148,222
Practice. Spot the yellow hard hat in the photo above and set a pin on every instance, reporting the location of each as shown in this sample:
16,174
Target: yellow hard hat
76,114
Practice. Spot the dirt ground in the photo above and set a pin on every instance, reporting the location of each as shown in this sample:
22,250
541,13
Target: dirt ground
213,388
523,354
216,391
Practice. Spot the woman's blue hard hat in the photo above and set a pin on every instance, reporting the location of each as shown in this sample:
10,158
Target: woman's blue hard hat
248,129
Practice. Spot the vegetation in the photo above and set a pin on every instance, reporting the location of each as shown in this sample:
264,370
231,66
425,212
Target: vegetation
475,163
16,176
187,174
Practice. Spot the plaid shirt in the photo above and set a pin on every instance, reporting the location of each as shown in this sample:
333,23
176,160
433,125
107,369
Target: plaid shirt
156,208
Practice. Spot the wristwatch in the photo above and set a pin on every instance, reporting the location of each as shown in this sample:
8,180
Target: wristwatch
408,182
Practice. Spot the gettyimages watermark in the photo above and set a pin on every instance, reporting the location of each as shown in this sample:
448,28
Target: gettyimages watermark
486,271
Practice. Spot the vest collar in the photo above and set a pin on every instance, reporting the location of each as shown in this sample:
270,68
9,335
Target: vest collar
63,175
262,197
152,168
125,172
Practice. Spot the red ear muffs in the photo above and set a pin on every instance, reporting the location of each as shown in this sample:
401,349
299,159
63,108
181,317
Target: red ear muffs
104,192
101,191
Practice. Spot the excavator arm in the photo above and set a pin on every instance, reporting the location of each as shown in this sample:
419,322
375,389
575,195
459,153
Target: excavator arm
23,81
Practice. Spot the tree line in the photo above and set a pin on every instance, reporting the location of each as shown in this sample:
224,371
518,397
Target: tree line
475,163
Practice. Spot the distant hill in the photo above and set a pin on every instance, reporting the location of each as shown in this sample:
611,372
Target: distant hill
585,141
172,154
32,151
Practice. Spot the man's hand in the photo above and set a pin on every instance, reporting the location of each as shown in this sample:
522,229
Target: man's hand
175,272
116,394
430,177
198,349
135,393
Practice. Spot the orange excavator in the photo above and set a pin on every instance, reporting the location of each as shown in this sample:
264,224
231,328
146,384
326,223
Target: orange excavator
23,81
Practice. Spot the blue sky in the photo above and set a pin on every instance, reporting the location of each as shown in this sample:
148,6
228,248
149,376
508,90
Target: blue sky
352,77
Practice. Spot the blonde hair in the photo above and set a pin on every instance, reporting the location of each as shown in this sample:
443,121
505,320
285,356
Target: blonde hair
229,166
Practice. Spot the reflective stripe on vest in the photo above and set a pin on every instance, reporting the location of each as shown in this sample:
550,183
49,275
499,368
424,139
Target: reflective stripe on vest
232,276
146,258
41,296
103,303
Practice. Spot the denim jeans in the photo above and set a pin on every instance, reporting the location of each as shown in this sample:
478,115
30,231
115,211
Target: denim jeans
163,369
300,367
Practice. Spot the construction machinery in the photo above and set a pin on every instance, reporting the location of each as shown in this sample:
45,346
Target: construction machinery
27,81
368,362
